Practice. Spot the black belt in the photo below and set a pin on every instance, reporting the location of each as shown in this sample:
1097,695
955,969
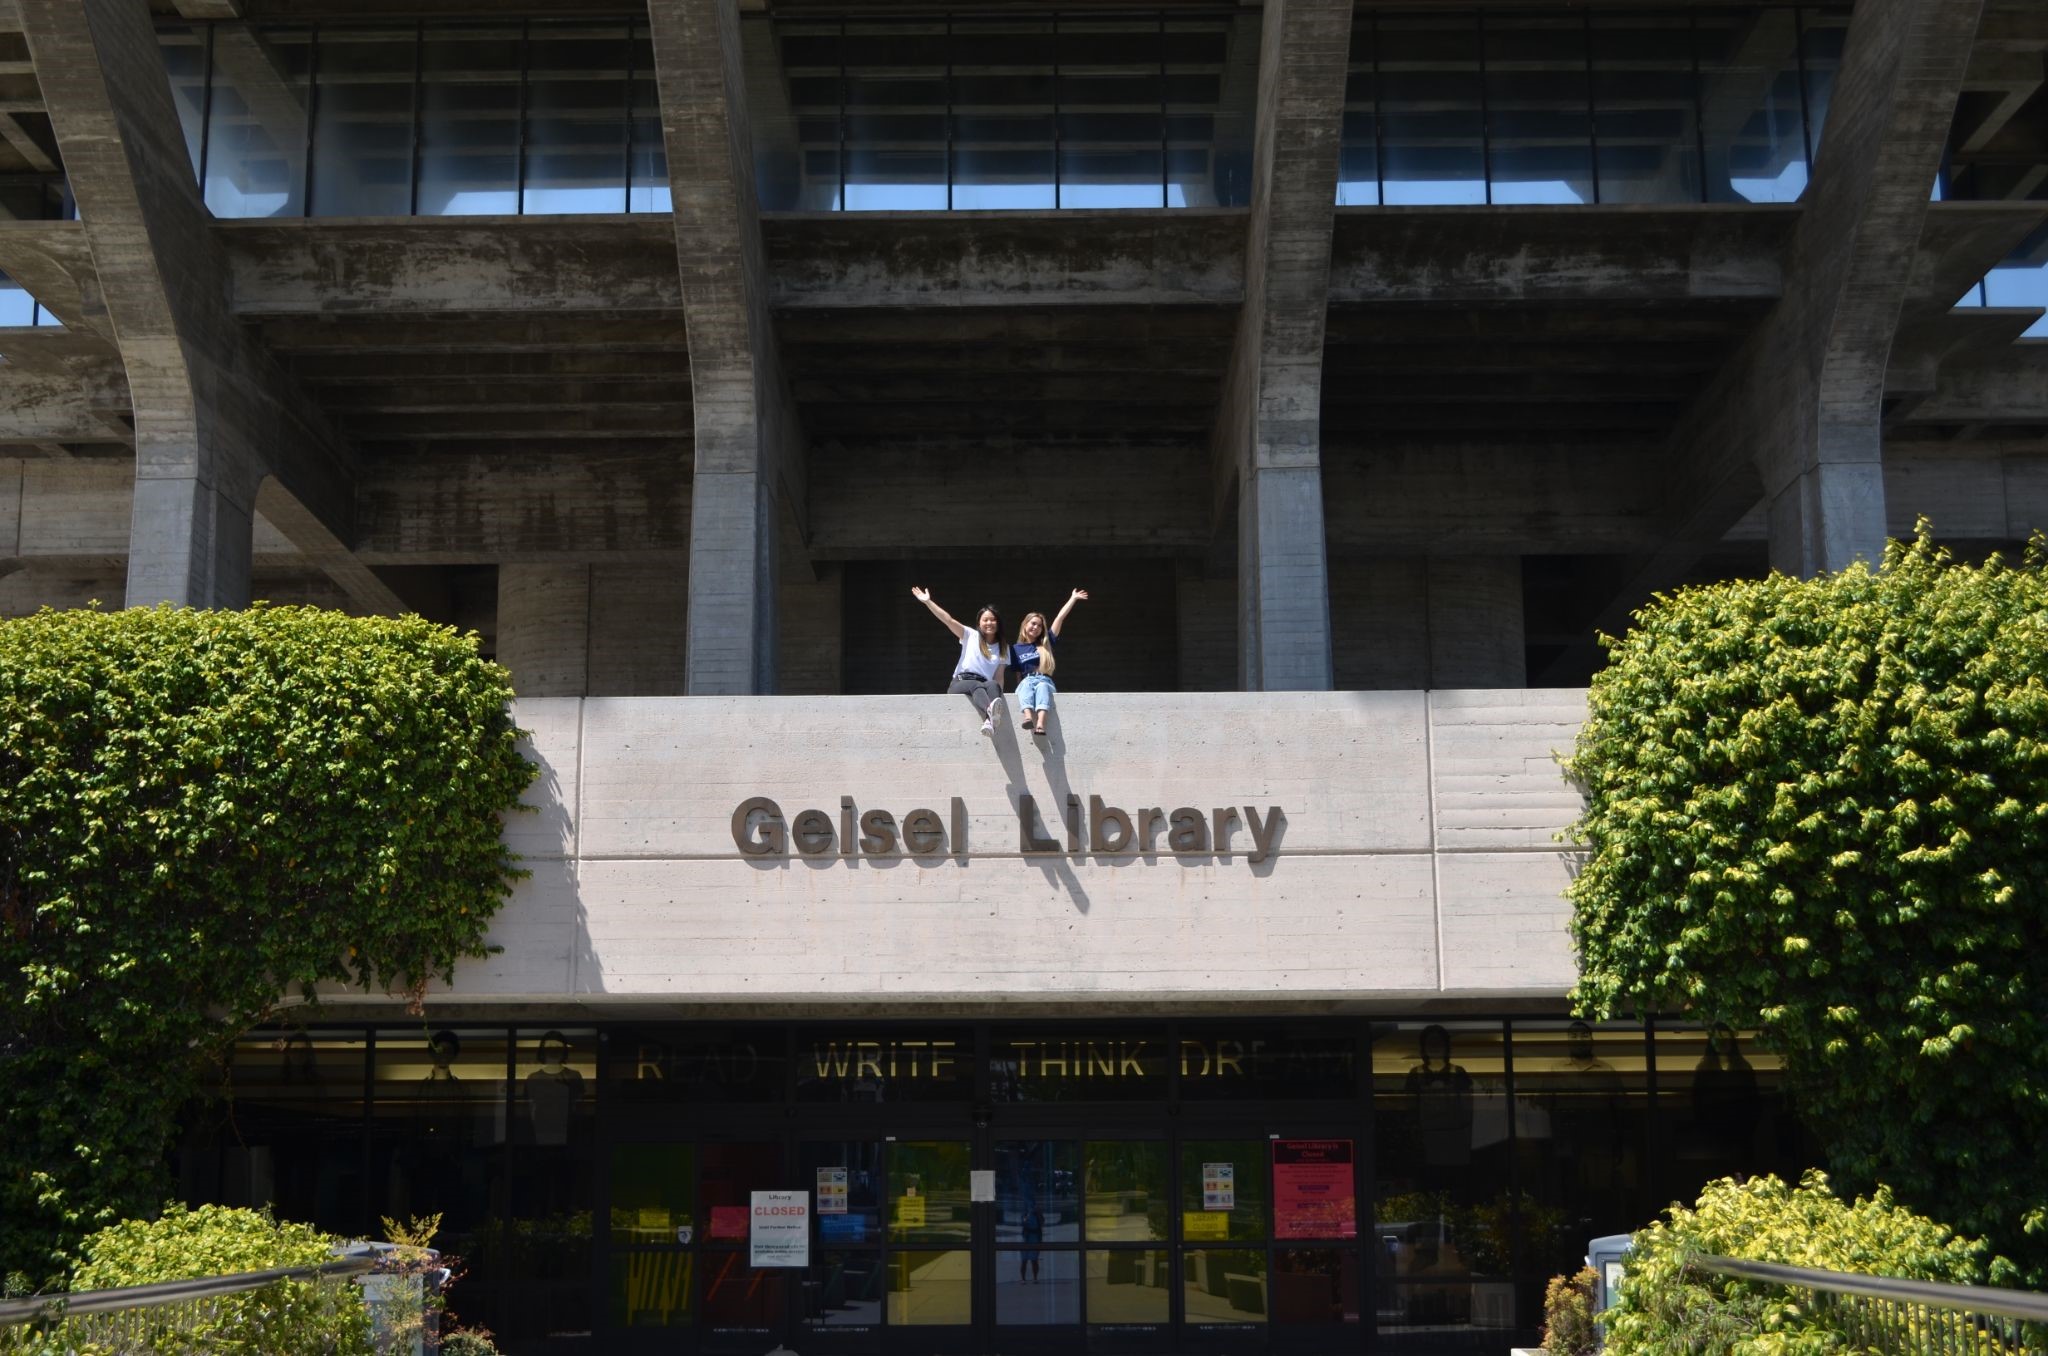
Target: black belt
977,677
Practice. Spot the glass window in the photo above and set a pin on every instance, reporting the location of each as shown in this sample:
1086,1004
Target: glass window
540,1258
1003,114
1223,1190
1032,1064
930,1288
1821,35
1211,78
1223,1285
654,1194
1315,1287
1721,1107
1750,101
1432,128
1442,1205
576,94
1126,1285
469,121
928,1198
185,60
729,1176
1035,1288
1538,109
895,93
1240,1061
647,173
652,1289
1124,1196
810,55
1582,1137
844,1289
739,1298
1112,129
362,122
1038,1191
288,1133
877,1065
846,1180
256,129
1645,107
1358,158
666,1065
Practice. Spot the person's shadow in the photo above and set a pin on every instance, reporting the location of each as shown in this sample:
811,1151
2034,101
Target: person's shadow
1056,868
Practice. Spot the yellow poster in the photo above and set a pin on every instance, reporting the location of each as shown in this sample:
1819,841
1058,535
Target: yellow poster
910,1212
1204,1225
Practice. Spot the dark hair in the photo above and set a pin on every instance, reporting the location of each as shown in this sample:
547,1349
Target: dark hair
989,608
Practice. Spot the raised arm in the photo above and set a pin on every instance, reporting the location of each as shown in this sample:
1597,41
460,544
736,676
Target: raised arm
1078,595
924,595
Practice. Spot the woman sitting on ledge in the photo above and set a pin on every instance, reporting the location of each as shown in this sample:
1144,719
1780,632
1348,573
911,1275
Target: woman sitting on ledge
1031,657
979,673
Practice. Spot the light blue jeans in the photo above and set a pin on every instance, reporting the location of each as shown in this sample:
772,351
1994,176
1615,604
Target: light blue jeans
1034,693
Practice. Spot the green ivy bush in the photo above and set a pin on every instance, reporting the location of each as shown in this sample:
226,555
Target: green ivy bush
1820,807
201,813
1665,1308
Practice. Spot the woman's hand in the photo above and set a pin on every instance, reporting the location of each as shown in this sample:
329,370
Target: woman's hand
1079,596
923,595
1057,622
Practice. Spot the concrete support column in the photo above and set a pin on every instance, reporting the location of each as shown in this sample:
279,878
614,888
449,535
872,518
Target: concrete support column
1829,515
544,628
1267,444
749,448
189,544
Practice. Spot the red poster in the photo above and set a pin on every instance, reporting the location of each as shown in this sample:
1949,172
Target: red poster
1313,1193
728,1221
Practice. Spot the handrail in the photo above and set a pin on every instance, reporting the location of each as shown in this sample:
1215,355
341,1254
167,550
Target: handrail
170,1292
1976,1299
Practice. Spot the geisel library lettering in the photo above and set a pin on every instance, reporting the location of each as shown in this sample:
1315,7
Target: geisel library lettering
1362,361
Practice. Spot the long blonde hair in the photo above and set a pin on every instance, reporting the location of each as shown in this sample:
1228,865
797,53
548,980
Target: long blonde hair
1044,641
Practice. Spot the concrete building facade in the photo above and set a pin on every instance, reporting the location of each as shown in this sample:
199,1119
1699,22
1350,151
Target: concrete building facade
1363,361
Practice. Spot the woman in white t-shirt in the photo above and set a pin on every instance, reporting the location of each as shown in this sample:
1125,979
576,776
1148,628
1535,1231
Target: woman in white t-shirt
979,673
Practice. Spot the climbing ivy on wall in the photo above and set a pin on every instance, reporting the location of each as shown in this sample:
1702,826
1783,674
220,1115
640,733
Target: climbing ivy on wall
202,813
1820,807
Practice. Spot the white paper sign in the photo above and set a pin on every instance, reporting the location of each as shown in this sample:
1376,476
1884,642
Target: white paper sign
831,1191
1219,1186
780,1235
981,1184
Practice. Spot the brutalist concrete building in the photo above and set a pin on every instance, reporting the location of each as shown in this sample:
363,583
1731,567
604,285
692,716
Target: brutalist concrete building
1362,362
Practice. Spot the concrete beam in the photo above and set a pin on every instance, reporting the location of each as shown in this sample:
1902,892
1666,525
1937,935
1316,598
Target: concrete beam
2008,386
53,261
749,444
1544,253
1266,447
215,418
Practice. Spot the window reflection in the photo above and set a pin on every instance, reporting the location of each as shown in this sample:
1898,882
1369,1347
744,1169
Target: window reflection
575,119
363,123
469,121
1003,115
1750,105
1645,108
1432,125
255,151
895,95
1538,109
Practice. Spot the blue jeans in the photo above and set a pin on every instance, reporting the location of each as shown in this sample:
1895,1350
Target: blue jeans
1035,692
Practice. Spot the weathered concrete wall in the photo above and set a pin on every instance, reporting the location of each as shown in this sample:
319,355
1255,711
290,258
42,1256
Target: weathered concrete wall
1414,859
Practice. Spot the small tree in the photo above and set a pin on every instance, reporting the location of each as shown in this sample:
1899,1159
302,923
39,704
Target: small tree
1820,807
200,813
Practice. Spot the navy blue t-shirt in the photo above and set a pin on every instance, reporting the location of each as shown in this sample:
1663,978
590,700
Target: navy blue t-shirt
1024,658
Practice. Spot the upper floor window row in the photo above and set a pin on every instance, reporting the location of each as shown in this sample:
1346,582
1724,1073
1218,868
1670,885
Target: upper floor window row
437,119
1587,105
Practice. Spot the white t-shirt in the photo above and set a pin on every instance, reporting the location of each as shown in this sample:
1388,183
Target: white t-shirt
972,660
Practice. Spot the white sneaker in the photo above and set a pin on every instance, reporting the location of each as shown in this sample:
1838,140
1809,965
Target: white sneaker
988,727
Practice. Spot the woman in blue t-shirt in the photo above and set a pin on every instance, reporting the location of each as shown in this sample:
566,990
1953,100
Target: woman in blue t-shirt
1031,660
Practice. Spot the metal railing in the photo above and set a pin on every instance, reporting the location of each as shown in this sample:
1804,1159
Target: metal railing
138,1318
1908,1318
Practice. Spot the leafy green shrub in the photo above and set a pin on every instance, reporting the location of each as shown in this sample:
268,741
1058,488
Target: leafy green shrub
1568,1314
199,813
289,1316
1665,1309
468,1342
1820,807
